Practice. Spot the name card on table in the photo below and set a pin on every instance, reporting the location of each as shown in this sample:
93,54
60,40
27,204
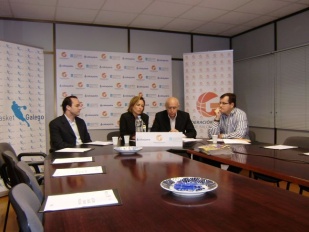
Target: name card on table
159,139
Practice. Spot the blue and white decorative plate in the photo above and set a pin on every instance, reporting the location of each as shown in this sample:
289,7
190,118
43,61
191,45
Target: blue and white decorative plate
189,186
128,150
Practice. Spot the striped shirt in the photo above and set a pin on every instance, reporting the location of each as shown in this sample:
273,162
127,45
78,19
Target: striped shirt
232,126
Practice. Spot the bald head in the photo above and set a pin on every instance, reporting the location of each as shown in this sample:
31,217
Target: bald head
172,105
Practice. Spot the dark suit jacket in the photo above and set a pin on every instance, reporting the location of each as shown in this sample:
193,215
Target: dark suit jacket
127,123
62,135
183,123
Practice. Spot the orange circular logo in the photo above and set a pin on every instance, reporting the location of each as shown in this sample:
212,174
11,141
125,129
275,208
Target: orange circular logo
119,103
159,138
201,104
104,94
118,85
104,113
140,76
64,94
63,54
80,84
154,103
79,64
154,85
153,68
103,75
139,58
118,66
103,56
64,74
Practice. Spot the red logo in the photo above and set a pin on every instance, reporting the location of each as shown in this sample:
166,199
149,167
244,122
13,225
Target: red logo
104,94
202,103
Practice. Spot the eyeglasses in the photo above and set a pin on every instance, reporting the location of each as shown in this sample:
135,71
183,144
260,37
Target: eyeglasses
223,103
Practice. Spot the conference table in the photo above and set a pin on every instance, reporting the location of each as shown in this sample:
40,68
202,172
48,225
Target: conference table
290,165
237,204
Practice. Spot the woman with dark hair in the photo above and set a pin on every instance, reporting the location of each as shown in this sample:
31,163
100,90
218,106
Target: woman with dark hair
127,120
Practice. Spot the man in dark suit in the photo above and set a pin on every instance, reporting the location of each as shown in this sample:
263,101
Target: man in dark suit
173,120
68,130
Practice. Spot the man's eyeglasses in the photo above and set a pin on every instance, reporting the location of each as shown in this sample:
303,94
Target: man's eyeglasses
223,103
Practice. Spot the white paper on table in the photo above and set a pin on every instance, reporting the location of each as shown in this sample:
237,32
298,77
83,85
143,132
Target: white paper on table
73,160
235,141
306,153
80,200
218,140
78,171
101,143
187,140
280,147
74,149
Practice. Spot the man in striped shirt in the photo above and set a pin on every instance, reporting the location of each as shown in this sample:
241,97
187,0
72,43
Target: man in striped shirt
230,122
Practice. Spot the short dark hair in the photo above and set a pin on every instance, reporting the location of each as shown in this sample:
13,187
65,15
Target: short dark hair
232,98
133,101
67,102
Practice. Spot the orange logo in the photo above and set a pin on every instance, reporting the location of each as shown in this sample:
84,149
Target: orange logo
153,68
104,94
140,94
80,84
104,113
159,138
63,54
202,102
64,94
154,85
139,58
140,76
64,74
118,85
103,75
119,103
103,56
80,65
118,66
154,103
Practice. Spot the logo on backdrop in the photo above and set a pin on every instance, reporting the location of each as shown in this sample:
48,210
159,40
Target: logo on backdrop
17,111
204,106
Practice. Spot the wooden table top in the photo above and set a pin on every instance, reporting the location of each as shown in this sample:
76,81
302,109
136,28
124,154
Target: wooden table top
289,165
238,204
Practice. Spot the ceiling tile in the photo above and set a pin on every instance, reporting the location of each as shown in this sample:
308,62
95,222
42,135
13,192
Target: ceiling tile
114,18
150,21
187,2
129,6
260,21
86,4
290,9
33,11
75,15
36,2
185,25
234,31
235,18
5,10
262,7
166,9
223,4
202,13
213,28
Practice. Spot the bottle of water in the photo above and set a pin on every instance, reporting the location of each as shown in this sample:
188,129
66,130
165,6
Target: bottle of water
138,124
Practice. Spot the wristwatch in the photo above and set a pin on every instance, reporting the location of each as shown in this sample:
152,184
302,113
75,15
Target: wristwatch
217,120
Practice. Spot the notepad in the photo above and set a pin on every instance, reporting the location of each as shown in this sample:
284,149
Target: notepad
80,200
73,160
280,147
74,149
78,171
100,143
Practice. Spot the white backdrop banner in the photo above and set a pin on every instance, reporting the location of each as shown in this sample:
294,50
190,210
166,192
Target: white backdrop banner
105,82
22,97
207,75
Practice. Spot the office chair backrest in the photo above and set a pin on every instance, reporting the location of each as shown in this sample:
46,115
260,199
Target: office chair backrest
26,205
10,160
26,175
299,141
112,134
3,169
